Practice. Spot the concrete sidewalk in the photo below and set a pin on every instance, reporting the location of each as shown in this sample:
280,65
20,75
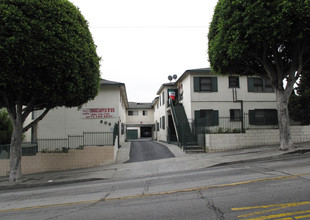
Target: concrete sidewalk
181,162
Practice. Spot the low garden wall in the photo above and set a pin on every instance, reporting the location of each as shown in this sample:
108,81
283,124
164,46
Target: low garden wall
253,138
89,156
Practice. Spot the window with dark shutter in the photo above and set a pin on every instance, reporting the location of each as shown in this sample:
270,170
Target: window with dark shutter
256,84
233,81
235,114
267,85
206,117
205,84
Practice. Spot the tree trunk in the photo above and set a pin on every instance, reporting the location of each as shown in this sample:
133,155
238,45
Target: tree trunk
16,150
286,142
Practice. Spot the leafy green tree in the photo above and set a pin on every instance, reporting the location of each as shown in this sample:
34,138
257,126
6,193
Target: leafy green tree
6,127
47,59
265,38
299,105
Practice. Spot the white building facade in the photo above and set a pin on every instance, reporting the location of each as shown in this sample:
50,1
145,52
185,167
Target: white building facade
216,103
98,115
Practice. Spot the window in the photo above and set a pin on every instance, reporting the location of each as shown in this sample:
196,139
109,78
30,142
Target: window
263,117
233,82
256,84
144,113
235,114
268,86
132,113
205,84
157,126
206,117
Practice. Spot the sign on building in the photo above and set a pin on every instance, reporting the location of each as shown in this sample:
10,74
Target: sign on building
98,113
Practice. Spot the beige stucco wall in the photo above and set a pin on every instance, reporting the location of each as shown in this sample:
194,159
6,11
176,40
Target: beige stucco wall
253,138
74,159
27,135
140,118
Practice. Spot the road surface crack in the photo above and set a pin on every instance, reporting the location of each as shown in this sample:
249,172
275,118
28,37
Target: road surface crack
210,205
83,207
147,186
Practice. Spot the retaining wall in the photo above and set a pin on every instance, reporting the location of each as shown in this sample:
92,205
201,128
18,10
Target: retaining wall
253,138
90,156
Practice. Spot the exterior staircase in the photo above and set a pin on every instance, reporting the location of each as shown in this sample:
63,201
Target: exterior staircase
184,133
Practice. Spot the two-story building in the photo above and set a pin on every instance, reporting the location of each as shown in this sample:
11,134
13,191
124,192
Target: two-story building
139,120
98,115
162,114
214,102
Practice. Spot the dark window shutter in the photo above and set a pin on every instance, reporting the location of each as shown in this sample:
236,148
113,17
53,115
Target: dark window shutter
271,116
164,122
232,114
197,118
252,117
250,84
196,84
215,118
214,84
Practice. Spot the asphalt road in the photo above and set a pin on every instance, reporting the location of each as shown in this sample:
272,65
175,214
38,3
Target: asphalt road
275,189
146,149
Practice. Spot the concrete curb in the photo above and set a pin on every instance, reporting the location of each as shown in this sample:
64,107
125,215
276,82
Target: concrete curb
45,184
286,154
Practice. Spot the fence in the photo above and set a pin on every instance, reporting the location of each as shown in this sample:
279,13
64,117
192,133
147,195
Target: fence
28,149
62,145
227,125
76,142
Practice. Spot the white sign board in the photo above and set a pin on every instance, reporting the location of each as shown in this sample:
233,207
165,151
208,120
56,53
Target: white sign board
98,113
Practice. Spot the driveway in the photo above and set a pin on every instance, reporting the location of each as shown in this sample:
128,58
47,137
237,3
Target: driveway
146,149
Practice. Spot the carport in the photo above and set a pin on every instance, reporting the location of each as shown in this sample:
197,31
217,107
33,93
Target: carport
146,131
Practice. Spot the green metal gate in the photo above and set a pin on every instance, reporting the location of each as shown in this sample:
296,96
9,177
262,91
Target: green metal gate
132,134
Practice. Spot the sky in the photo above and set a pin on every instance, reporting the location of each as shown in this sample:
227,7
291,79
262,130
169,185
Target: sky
142,42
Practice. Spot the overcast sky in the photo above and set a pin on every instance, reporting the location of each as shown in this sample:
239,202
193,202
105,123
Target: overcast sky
142,42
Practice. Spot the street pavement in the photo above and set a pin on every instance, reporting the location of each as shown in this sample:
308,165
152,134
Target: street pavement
181,162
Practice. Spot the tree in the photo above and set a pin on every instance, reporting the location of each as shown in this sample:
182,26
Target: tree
299,106
6,127
47,59
265,38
